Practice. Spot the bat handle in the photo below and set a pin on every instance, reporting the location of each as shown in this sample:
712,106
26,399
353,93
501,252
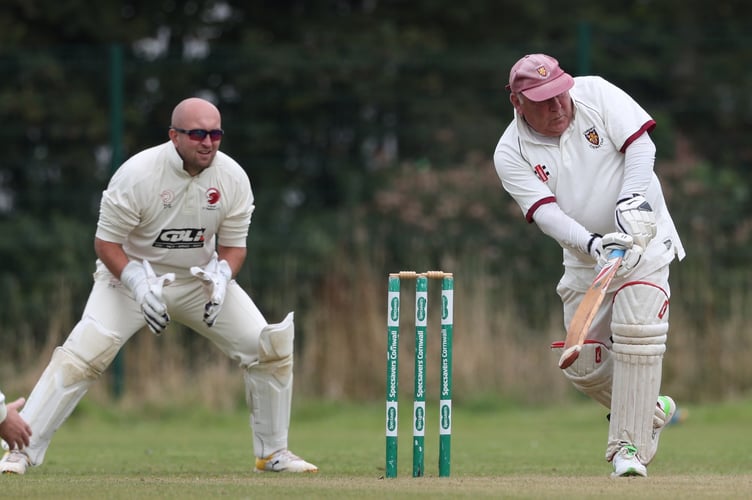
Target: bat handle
616,252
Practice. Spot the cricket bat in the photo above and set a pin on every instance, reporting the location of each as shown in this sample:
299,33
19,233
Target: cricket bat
585,313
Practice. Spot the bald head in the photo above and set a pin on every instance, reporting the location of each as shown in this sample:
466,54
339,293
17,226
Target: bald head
194,109
196,132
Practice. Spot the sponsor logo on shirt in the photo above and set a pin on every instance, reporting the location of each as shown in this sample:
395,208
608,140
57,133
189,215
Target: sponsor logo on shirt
593,137
180,238
542,172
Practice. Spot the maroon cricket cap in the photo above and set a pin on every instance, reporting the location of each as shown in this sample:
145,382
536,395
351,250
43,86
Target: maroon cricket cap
539,77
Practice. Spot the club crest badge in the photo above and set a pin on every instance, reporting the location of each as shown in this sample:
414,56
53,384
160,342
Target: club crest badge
212,199
542,71
593,137
212,196
167,197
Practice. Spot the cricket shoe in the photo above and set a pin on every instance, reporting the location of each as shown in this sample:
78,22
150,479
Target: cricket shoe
627,463
14,462
284,461
665,409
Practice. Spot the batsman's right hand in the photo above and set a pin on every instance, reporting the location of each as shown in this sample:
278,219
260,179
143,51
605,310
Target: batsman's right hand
146,288
619,241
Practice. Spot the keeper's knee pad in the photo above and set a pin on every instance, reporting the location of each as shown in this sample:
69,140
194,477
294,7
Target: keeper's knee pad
591,373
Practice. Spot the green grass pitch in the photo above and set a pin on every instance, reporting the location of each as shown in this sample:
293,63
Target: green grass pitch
498,451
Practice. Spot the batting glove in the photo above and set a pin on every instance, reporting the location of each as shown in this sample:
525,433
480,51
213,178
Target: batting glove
594,246
635,217
619,241
146,288
215,275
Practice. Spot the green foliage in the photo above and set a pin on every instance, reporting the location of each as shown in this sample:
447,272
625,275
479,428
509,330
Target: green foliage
424,217
31,299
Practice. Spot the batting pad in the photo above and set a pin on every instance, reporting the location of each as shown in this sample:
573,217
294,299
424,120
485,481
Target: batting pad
639,325
592,371
269,388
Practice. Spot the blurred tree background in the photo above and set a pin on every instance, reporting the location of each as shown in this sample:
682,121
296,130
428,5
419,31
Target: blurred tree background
367,129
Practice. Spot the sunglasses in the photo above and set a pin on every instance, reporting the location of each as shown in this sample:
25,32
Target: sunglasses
199,134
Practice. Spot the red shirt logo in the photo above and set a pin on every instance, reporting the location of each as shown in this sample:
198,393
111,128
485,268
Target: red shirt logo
541,172
212,196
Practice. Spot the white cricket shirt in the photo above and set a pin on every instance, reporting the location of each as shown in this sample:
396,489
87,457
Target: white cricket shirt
583,170
160,213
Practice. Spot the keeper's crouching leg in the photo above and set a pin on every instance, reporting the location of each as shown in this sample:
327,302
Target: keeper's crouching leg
74,366
639,325
269,388
592,371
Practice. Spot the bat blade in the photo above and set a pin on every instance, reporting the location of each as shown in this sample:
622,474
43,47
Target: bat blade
585,313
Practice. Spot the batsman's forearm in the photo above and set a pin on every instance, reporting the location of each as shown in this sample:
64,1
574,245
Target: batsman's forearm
552,220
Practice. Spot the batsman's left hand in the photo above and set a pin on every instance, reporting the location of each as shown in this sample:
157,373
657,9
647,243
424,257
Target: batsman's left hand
215,275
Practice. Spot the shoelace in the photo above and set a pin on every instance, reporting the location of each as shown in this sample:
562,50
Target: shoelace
629,451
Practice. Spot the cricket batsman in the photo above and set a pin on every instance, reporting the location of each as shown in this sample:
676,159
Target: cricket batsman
578,160
171,235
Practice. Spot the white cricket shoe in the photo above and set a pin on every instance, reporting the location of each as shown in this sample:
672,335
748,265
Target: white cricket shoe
14,462
626,463
284,461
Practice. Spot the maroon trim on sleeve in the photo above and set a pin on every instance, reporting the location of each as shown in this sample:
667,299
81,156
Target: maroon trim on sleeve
537,205
647,127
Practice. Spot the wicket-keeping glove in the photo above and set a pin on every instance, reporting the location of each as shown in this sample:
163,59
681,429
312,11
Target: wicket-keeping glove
215,275
146,288
635,217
